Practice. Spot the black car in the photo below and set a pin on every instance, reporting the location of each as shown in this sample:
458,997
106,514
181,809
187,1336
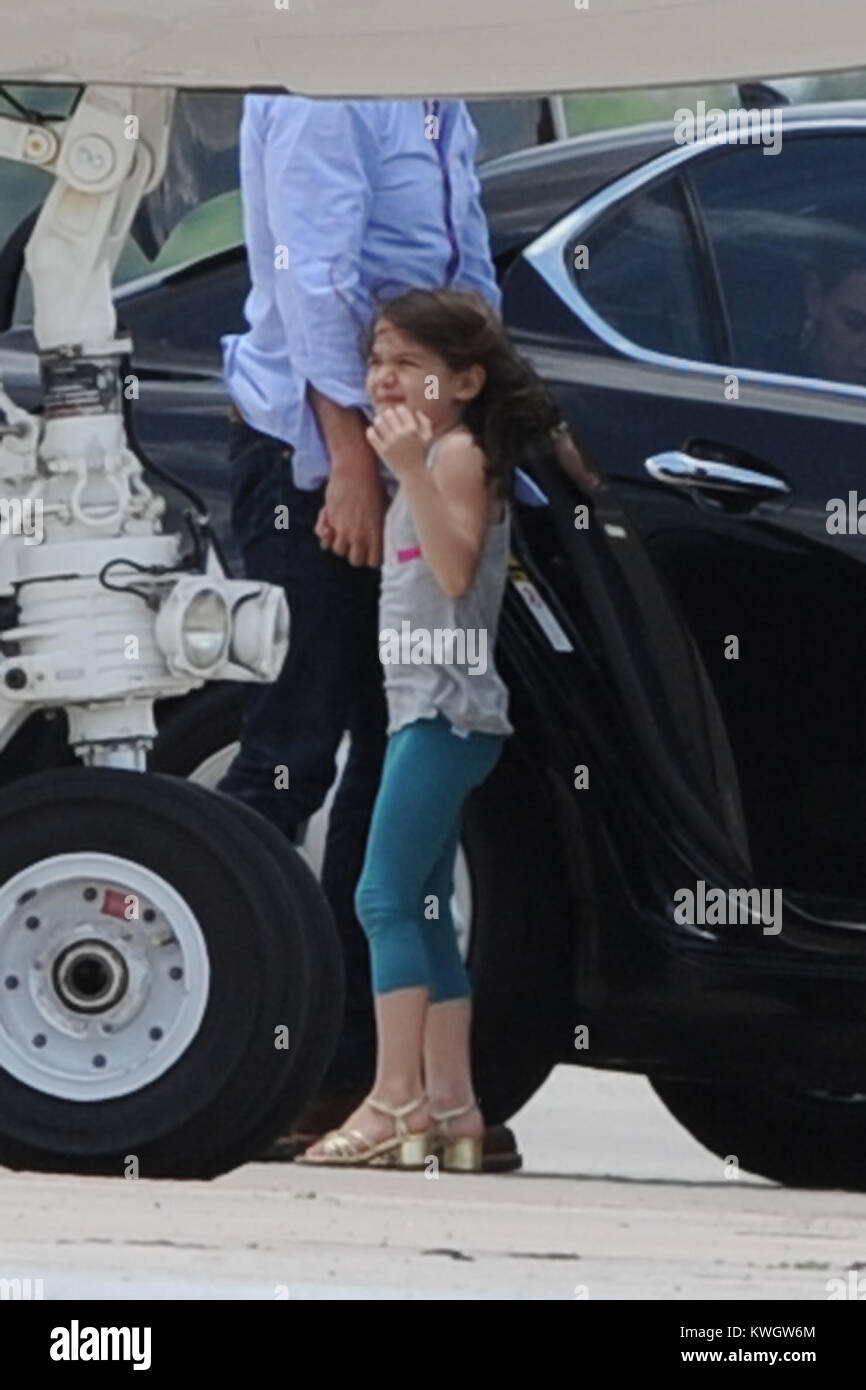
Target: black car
666,871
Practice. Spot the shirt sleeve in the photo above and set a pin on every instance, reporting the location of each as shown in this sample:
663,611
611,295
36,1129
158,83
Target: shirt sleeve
319,158
477,270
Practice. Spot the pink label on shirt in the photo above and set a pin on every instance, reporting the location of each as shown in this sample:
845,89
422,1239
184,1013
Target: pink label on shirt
412,553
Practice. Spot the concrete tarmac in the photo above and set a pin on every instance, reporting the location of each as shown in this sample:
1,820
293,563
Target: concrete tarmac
615,1201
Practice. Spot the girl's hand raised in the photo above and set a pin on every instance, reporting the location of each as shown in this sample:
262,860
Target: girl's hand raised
401,439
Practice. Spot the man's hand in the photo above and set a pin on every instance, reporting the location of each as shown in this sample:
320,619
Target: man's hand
401,439
351,521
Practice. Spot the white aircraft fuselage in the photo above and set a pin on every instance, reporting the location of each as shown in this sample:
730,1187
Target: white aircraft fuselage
379,48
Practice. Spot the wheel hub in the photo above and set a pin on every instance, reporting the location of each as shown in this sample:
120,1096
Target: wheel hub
104,976
90,976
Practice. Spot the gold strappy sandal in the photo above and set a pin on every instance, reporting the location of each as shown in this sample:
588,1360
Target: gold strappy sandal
461,1155
351,1148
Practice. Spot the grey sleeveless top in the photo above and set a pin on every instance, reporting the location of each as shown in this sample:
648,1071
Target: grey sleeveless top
436,651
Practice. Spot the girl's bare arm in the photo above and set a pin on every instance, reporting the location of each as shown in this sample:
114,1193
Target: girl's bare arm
449,504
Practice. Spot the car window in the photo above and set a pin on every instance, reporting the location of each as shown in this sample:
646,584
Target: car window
788,233
639,268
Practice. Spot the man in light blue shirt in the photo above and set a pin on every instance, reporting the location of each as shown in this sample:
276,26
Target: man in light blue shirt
345,203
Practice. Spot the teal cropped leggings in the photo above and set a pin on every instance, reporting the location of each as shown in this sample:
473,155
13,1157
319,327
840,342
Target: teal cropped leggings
403,898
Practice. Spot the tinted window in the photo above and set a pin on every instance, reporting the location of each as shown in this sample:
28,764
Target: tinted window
641,273
788,231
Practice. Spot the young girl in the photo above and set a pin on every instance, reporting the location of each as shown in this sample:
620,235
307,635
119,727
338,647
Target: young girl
456,410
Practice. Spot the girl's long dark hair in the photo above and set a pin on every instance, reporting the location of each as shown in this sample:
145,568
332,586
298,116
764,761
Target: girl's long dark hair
512,416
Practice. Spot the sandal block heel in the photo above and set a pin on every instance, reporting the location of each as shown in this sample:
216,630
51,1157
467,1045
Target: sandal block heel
462,1155
415,1151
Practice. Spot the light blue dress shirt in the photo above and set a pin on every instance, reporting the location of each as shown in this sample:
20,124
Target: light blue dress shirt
345,203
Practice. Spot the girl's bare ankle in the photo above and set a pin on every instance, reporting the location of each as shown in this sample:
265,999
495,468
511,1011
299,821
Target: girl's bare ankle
398,1093
450,1100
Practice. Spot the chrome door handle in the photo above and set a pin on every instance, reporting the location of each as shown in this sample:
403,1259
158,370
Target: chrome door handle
679,469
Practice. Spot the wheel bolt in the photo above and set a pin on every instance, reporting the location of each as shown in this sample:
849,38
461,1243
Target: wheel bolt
175,972
39,1040
32,923
89,894
149,915
156,1034
99,1060
11,982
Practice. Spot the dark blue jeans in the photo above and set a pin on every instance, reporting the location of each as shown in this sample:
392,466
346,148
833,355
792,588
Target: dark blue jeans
330,684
